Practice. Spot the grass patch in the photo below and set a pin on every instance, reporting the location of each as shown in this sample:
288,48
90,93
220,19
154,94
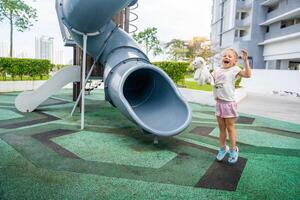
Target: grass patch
186,76
189,83
195,86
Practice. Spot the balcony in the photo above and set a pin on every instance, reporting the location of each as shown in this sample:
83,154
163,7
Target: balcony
244,5
283,32
242,39
279,15
242,23
269,2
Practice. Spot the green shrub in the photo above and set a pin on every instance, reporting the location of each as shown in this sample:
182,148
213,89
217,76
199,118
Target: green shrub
17,67
175,70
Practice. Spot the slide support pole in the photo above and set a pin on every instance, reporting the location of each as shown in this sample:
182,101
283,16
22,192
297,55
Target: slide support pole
83,79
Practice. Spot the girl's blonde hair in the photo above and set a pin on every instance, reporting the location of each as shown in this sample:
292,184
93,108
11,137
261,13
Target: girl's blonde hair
232,50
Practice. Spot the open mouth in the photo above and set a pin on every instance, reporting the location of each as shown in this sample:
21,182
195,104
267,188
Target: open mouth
226,62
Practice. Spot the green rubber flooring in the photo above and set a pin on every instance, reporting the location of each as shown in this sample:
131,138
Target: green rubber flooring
45,155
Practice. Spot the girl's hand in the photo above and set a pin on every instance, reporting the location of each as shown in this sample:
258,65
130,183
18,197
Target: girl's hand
244,55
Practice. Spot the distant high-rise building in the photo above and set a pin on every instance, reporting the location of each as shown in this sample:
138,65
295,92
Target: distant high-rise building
58,56
23,54
4,49
44,48
268,29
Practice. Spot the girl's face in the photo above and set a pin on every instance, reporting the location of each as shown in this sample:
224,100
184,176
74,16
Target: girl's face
229,59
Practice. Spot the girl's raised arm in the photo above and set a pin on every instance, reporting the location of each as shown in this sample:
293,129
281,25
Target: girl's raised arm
246,72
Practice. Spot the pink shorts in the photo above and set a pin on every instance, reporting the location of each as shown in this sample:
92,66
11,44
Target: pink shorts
226,109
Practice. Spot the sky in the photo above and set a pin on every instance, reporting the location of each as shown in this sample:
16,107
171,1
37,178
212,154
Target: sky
173,19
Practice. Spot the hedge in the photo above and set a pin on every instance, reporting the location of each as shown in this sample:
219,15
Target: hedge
17,67
175,70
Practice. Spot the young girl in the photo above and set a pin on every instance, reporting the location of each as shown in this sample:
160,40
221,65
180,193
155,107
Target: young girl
226,107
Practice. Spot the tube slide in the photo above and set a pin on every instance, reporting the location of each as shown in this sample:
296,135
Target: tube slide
29,101
142,92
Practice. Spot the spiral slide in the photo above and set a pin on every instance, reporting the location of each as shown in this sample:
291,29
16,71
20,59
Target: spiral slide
142,92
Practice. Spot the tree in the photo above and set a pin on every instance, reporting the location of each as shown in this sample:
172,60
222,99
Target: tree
198,47
177,49
149,40
180,50
19,14
206,53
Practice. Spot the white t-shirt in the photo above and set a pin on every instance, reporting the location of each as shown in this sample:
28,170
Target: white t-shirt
225,83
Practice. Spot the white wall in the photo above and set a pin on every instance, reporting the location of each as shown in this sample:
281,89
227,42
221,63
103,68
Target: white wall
267,81
286,49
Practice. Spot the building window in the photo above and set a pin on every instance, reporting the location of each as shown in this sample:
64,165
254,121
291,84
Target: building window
268,29
240,33
216,10
297,21
244,15
278,63
241,15
294,65
243,33
273,64
287,23
229,15
273,7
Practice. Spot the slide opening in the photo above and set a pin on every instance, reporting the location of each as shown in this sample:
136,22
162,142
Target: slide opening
154,100
139,86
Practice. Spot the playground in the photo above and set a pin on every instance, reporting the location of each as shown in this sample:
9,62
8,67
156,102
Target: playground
45,155
139,136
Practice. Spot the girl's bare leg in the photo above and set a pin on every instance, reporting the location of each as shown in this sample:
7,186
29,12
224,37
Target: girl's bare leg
222,128
230,126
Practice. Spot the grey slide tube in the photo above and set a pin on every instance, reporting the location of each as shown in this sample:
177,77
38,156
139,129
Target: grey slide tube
141,91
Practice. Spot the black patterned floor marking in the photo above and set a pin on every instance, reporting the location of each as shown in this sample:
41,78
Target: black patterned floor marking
223,176
202,130
245,120
45,118
45,138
